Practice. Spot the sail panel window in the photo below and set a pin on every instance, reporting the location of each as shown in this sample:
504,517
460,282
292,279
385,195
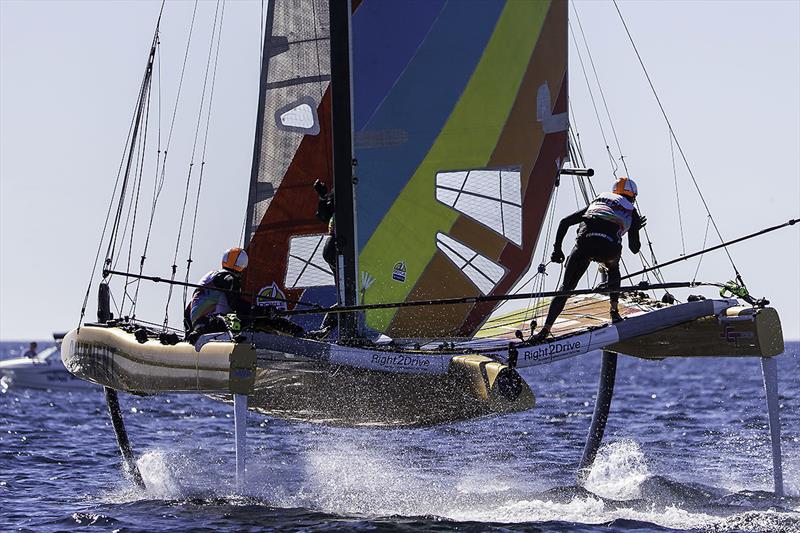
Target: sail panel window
299,116
451,180
305,266
492,197
484,273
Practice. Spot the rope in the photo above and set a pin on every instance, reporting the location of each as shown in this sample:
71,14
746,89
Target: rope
677,143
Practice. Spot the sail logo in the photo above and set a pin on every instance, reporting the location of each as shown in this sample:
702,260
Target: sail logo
399,272
553,349
399,360
271,295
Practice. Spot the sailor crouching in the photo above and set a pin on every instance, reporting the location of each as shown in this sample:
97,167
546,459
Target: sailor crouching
602,224
205,312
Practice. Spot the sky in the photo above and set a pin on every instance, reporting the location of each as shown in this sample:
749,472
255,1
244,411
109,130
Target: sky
727,74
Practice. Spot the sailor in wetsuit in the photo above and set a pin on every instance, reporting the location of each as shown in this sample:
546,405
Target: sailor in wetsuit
204,312
602,225
326,209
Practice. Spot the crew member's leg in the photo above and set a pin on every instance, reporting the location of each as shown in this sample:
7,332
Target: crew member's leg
575,267
329,321
612,266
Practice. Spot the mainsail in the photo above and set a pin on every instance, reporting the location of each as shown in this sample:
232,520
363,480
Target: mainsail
459,124
292,149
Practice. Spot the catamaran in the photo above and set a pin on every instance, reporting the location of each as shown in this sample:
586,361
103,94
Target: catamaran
443,128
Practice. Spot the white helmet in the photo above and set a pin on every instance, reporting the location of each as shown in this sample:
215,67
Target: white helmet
234,259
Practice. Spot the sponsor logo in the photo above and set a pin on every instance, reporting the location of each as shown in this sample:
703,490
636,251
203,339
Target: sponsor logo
400,360
733,336
549,351
266,294
399,272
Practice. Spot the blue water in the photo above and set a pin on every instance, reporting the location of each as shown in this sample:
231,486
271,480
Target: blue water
687,448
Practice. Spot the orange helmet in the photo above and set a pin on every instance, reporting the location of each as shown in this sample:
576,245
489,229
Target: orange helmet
625,187
234,259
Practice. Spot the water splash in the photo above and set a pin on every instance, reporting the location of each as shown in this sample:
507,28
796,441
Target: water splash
618,472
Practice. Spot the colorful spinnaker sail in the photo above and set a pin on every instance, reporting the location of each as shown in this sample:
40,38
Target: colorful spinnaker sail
460,128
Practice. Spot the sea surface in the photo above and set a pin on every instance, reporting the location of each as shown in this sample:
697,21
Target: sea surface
686,449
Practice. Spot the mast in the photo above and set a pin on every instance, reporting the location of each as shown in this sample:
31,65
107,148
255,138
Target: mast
342,119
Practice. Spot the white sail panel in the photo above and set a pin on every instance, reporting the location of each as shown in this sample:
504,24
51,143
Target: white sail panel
480,270
492,197
306,267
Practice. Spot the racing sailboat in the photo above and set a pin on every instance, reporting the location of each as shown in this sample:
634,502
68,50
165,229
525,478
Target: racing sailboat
442,128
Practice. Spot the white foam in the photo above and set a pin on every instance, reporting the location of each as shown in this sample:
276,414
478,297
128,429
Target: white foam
618,472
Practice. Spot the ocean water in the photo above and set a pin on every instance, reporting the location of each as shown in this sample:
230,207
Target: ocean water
686,449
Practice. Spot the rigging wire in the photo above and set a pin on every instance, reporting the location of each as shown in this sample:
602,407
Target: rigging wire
705,240
160,179
143,257
127,145
611,123
140,180
602,94
614,166
677,143
191,162
677,195
205,145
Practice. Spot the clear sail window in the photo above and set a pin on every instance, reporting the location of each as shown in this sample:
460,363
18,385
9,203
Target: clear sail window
480,270
306,267
299,116
492,197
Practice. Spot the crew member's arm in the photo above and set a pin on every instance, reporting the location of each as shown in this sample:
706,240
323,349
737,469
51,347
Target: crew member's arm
563,226
633,234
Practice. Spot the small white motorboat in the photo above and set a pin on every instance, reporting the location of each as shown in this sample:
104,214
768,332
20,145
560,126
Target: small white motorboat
43,371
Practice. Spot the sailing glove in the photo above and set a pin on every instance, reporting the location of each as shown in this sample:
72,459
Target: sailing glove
558,256
639,223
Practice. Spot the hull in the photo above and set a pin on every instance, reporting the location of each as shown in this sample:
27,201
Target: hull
304,386
393,385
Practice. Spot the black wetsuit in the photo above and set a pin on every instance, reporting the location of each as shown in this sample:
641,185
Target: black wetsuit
326,209
598,240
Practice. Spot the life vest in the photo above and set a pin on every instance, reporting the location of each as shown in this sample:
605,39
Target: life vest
614,208
207,300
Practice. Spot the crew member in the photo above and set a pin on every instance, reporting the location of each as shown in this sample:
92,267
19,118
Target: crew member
326,209
601,227
204,313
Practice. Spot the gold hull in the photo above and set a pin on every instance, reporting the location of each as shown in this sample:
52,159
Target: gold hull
301,388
